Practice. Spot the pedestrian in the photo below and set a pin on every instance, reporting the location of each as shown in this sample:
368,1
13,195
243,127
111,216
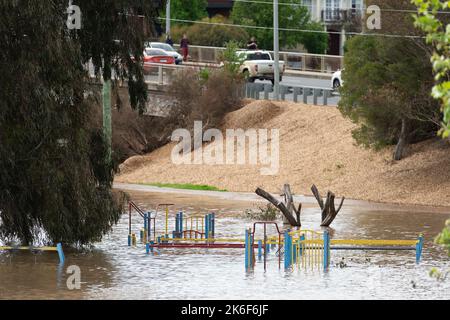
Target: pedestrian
252,45
184,45
169,40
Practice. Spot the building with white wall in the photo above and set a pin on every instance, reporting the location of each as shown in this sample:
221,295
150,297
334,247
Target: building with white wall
337,15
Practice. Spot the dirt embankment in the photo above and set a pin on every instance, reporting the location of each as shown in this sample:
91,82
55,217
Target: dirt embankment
316,147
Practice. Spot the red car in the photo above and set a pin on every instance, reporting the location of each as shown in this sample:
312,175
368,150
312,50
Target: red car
153,55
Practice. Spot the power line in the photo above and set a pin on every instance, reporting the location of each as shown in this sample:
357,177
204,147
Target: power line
296,30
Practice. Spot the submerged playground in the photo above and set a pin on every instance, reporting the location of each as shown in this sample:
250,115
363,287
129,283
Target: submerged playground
292,247
203,248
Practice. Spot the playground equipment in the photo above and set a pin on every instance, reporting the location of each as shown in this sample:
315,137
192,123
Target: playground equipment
296,248
307,248
57,249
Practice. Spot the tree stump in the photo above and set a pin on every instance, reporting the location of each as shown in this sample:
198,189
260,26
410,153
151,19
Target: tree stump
329,211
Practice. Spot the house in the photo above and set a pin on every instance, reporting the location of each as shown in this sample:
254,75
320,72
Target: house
335,14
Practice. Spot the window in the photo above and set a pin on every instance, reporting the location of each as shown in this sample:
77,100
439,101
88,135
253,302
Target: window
332,8
258,56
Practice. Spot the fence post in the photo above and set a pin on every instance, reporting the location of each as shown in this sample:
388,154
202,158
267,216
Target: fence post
296,90
419,246
283,90
267,88
160,75
326,93
326,250
305,95
315,95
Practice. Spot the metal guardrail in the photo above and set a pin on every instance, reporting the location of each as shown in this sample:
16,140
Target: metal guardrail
254,90
161,74
299,61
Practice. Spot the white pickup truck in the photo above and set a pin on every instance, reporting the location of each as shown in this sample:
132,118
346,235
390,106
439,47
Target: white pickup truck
259,65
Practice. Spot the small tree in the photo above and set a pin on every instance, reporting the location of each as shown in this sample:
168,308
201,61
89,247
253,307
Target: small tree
291,16
192,10
232,61
387,83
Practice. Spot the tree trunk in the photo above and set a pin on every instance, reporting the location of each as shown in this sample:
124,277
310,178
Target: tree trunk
282,207
328,208
402,142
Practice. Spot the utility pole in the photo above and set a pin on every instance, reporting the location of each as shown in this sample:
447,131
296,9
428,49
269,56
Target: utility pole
168,17
276,49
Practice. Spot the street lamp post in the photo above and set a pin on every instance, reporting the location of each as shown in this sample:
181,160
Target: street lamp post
276,49
168,17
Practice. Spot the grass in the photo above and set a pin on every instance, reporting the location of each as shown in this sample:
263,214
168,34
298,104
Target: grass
187,186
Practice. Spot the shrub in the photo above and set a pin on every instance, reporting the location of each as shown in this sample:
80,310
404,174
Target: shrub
266,213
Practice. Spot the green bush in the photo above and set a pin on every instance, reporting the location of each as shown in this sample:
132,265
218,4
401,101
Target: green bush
210,35
386,91
290,17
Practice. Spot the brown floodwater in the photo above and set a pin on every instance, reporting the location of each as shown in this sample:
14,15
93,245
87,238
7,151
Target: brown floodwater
112,270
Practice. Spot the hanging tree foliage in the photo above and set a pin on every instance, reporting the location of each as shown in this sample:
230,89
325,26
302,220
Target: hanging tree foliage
53,180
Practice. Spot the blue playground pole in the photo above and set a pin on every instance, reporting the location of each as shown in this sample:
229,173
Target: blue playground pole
59,248
246,250
147,248
206,226
181,224
129,240
213,224
294,256
267,248
419,247
326,250
260,250
151,246
302,238
287,250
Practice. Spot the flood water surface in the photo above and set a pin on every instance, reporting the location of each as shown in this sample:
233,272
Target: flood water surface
112,270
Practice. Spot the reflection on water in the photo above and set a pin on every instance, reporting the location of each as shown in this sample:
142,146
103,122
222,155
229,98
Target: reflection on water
111,270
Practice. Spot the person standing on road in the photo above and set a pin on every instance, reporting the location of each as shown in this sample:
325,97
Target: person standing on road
184,45
169,40
252,45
